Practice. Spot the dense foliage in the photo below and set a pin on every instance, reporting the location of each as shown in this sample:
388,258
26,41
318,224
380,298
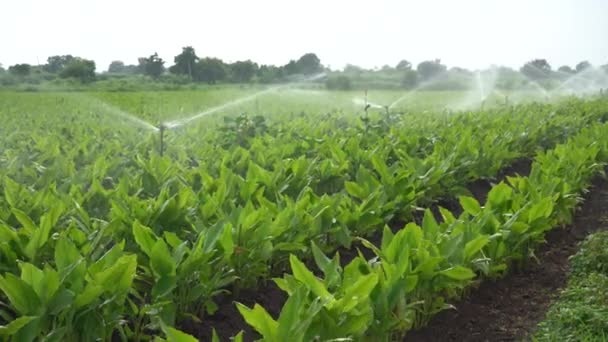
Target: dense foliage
100,237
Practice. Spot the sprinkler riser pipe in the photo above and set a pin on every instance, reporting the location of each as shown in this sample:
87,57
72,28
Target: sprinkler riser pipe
161,131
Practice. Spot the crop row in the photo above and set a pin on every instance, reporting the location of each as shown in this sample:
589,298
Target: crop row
108,243
418,269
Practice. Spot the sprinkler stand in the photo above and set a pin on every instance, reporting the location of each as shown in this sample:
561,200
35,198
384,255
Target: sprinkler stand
161,130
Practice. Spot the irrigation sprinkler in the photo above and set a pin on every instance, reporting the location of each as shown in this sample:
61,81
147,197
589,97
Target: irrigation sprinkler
161,130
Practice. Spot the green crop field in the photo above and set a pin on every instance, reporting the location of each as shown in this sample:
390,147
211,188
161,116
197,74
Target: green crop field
300,195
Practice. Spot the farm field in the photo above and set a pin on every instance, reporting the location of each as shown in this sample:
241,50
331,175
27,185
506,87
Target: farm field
142,216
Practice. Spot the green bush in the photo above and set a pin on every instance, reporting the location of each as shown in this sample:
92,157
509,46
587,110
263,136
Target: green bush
592,257
581,314
338,82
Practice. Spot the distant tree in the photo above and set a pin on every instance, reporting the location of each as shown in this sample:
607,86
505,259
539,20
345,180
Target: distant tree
20,69
291,68
430,69
269,74
117,67
152,66
309,64
338,82
409,79
566,69
132,69
605,67
507,78
387,68
404,65
79,68
210,70
185,62
353,69
242,71
1,69
582,66
55,64
460,70
536,69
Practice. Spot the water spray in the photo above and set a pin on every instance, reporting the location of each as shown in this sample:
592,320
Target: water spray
239,101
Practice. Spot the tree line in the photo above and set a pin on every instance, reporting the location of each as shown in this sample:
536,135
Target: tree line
188,67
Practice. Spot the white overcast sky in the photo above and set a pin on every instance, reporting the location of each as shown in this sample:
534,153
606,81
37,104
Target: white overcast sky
466,33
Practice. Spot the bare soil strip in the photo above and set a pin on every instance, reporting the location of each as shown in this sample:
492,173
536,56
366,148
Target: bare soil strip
509,309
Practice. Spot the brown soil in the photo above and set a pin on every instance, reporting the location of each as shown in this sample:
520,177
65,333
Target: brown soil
227,321
509,309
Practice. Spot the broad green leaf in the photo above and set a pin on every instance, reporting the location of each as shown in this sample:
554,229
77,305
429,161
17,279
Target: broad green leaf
387,237
212,235
227,242
174,335
44,283
118,277
321,259
20,294
161,260
355,190
429,225
470,205
63,299
164,285
14,326
301,273
458,273
144,237
499,194
40,236
356,293
541,209
260,320
519,227
296,316
474,246
108,259
25,220
115,279
91,292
